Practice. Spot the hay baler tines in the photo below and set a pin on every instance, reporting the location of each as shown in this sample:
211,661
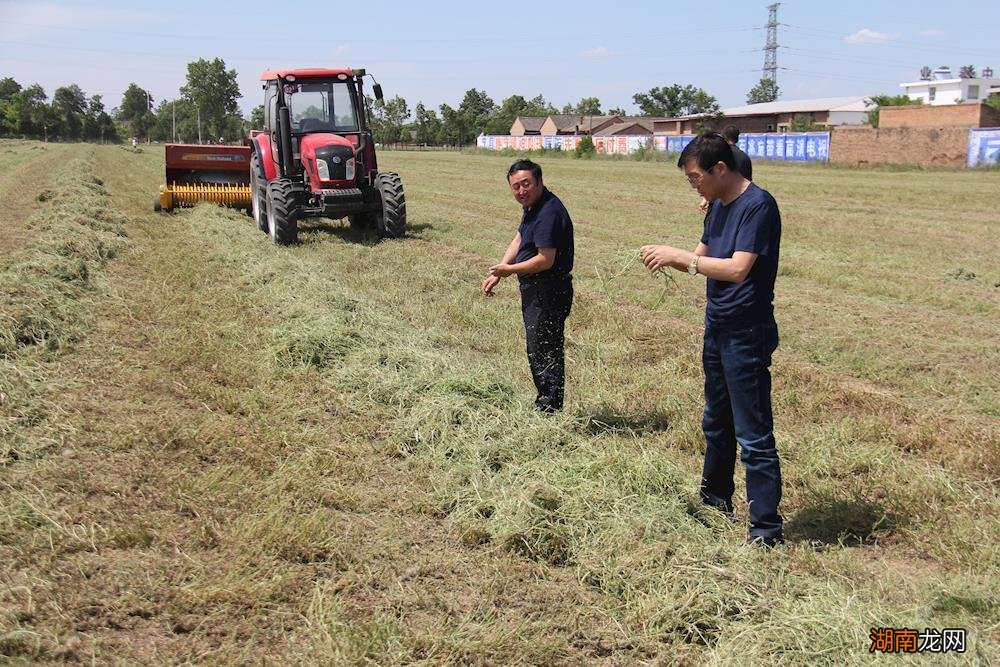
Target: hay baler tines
197,173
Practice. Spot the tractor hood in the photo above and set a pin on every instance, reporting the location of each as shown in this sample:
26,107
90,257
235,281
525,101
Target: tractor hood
329,159
309,143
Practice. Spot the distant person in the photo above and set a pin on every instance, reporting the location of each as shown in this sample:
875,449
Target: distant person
738,254
541,255
731,133
135,142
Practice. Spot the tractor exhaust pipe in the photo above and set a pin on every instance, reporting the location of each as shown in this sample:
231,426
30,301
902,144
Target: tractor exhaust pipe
285,129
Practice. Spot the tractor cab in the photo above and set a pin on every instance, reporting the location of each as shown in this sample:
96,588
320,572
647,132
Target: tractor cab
322,106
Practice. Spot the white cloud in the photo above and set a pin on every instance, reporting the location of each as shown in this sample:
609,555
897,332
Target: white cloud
598,52
867,36
931,33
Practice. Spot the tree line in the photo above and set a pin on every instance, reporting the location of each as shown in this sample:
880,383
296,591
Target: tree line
207,110
477,113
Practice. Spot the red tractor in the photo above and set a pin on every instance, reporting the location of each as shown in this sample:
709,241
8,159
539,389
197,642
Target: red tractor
316,156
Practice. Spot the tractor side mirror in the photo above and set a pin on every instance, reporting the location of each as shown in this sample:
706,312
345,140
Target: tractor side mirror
377,89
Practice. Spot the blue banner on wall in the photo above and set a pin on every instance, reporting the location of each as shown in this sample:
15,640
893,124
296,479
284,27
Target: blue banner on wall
984,147
801,147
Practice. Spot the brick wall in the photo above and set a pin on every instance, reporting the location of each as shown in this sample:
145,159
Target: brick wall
988,116
944,115
899,145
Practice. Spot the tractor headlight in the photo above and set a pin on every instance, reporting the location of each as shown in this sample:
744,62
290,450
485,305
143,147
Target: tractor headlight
349,170
324,170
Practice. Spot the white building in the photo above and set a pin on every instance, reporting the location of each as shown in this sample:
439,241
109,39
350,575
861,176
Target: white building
941,87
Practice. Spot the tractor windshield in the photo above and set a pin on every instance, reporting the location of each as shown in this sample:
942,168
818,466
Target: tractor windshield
326,106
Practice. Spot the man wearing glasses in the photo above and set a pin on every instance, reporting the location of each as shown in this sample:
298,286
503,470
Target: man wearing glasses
738,254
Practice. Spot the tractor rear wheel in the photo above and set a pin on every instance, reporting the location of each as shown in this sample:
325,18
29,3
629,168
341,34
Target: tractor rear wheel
282,212
259,195
391,222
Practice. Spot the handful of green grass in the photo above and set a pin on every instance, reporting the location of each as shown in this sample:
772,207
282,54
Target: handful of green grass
627,264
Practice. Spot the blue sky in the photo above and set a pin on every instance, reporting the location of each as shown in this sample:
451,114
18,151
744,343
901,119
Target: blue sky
435,50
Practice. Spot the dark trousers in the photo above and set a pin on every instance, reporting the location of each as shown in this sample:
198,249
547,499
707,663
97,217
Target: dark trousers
738,410
545,305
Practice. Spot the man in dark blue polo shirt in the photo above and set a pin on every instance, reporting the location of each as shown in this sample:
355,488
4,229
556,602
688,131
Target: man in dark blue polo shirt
541,255
738,253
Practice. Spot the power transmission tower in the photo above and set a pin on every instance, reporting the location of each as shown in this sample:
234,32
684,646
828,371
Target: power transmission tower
770,70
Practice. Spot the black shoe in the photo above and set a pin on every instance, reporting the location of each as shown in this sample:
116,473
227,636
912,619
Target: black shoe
762,542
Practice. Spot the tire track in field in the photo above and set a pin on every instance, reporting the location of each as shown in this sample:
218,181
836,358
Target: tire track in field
22,184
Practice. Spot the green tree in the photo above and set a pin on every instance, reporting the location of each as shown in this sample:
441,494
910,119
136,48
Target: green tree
766,90
45,117
476,109
585,148
8,86
589,106
23,114
388,118
214,92
257,117
136,103
70,105
8,89
426,124
676,100
537,106
515,106
879,101
453,128
617,111
509,110
135,111
97,124
994,101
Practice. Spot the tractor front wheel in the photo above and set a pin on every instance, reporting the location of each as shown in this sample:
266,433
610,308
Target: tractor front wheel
391,222
259,194
282,212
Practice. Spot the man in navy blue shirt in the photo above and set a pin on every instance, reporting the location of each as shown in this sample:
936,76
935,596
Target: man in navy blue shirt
541,255
738,253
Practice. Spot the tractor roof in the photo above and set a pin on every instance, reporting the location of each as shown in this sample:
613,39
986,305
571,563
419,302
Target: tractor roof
310,73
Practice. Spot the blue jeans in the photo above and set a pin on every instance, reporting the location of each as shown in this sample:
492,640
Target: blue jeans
738,409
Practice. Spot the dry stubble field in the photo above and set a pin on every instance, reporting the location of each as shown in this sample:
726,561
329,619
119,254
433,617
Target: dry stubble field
214,450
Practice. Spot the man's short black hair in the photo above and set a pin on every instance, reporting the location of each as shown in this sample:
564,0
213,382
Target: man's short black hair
708,148
731,133
525,165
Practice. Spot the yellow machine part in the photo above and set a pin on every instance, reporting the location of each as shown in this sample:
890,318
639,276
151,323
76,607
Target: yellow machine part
235,195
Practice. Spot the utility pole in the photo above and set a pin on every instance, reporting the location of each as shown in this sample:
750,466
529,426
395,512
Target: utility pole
770,70
173,126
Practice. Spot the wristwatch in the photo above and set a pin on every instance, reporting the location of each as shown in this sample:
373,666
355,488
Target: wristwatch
693,266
